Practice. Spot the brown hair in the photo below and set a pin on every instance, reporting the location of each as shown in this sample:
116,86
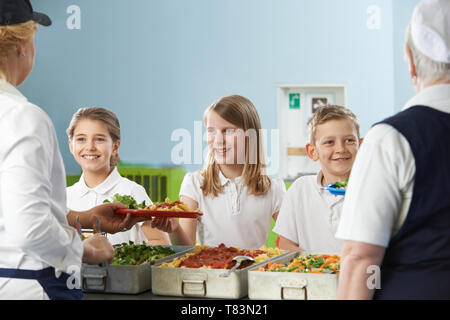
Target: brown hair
11,36
241,112
101,114
327,113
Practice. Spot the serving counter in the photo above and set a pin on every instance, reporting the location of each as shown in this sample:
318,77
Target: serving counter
148,295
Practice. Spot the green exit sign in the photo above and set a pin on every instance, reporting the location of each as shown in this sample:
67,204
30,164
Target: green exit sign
294,100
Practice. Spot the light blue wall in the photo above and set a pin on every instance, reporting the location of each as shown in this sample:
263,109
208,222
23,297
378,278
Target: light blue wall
402,12
159,63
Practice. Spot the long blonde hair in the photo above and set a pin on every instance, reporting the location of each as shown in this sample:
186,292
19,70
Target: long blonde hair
106,116
242,113
10,37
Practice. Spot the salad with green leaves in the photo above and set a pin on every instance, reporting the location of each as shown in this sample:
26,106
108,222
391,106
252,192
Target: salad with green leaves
127,200
136,254
341,184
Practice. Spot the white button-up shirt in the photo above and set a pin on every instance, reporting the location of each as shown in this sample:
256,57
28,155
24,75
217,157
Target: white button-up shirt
381,183
80,198
234,217
34,232
309,216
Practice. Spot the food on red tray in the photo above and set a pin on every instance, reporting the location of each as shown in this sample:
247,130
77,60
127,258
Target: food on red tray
313,263
220,257
127,200
170,206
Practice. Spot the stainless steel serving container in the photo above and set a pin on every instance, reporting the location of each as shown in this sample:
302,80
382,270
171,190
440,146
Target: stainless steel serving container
128,279
291,285
202,283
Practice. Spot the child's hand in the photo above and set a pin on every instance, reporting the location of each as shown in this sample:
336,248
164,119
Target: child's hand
168,225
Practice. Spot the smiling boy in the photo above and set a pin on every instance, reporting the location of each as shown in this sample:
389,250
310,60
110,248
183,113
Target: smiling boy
309,215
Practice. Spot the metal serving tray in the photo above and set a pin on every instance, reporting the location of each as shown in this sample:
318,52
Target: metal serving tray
291,285
129,279
202,283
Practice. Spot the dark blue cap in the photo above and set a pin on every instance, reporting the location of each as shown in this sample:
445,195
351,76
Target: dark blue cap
19,11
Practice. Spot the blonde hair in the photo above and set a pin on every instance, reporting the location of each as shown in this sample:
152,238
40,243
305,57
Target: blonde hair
242,113
10,37
101,114
428,71
327,113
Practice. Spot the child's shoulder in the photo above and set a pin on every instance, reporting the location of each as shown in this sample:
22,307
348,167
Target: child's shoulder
73,193
304,182
277,183
73,187
130,184
132,188
194,177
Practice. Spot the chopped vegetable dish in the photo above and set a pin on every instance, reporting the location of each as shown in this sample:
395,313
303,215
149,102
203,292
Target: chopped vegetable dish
323,263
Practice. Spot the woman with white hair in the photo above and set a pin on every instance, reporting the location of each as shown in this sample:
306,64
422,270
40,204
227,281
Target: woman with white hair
396,215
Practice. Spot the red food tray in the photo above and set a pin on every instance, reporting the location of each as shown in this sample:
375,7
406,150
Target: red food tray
159,213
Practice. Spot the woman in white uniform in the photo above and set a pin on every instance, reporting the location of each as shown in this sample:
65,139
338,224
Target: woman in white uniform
39,250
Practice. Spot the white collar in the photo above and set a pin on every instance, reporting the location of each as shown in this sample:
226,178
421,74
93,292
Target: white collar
436,97
318,183
109,183
9,88
224,180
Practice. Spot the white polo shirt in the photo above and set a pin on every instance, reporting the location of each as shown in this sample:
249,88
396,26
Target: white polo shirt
234,217
309,216
80,198
381,183
34,232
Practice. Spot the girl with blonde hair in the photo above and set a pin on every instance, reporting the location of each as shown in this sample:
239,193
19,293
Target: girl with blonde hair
237,198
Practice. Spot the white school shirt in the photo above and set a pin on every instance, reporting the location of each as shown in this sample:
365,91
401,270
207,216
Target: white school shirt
234,217
80,198
381,183
34,232
309,216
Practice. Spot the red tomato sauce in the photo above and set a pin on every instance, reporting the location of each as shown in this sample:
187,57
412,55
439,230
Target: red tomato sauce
219,257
